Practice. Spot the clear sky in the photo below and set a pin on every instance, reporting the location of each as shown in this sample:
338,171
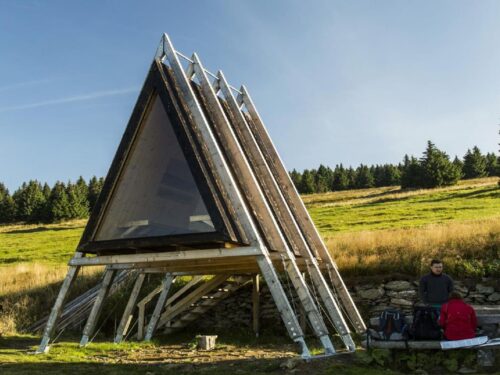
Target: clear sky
335,81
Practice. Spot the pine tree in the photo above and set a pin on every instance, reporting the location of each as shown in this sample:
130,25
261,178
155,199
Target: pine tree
29,202
474,164
437,170
491,164
307,183
59,206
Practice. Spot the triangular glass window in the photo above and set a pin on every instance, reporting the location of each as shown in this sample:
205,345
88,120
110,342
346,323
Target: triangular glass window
156,193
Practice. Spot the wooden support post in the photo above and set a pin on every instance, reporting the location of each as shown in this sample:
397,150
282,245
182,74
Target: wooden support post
127,314
303,315
97,307
167,283
50,327
141,321
256,304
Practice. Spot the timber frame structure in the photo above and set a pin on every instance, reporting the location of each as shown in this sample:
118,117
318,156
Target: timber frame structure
249,222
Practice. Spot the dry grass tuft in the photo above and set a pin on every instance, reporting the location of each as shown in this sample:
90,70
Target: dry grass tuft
469,248
27,291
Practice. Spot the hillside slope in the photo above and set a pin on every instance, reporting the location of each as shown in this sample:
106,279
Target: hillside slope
363,228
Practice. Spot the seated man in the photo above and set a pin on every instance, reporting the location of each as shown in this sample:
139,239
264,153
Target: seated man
458,319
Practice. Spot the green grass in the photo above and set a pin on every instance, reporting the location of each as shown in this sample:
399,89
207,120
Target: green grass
391,208
333,213
16,357
53,243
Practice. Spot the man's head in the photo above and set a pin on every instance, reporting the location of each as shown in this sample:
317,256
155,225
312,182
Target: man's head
436,267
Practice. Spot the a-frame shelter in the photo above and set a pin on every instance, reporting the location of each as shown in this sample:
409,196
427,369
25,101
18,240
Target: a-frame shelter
197,188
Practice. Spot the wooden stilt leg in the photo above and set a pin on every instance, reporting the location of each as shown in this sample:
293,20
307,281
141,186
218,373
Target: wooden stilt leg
167,282
97,307
127,314
57,308
141,321
256,305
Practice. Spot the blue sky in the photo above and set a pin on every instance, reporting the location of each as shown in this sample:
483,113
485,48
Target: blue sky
335,81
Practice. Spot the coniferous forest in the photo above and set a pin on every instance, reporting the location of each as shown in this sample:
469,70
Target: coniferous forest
433,169
34,202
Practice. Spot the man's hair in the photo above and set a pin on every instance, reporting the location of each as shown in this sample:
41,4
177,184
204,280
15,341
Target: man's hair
435,261
455,295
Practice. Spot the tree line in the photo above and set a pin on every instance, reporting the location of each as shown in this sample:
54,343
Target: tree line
34,202
433,169
37,203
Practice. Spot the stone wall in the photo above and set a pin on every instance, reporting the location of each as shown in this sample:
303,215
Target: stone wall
370,297
373,298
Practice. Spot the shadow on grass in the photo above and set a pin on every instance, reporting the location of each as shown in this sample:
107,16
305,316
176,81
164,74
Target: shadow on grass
491,192
41,229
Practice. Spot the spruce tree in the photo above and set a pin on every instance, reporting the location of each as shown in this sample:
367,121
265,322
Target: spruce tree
474,164
392,175
437,170
78,199
29,202
378,176
340,180
323,179
491,164
459,165
294,176
94,190
351,178
7,207
59,206
364,177
411,175
307,183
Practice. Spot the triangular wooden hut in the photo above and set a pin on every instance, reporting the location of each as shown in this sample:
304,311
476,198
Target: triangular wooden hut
197,188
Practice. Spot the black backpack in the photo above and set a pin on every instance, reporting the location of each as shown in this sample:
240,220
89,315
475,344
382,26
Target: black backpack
425,324
392,325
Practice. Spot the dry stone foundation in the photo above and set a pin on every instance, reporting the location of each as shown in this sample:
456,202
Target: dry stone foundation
370,297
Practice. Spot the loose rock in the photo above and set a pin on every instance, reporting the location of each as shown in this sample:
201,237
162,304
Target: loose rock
483,289
398,285
371,293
